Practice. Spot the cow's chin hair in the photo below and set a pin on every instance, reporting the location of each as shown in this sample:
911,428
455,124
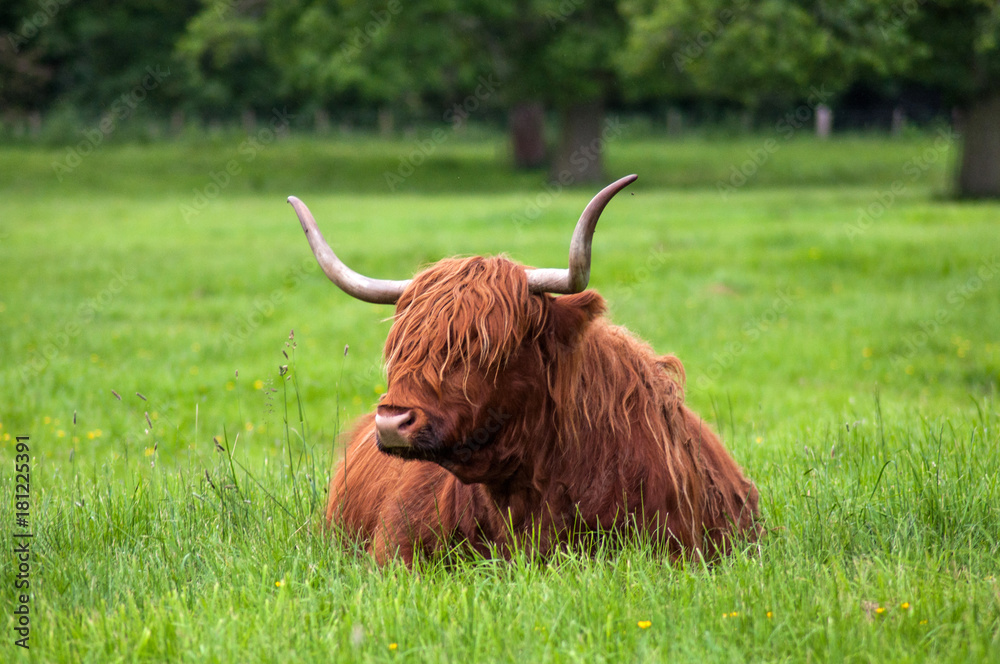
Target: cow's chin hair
467,460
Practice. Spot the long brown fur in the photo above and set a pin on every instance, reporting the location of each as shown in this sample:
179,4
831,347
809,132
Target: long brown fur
550,422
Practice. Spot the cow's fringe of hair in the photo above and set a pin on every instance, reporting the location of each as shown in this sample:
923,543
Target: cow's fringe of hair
420,342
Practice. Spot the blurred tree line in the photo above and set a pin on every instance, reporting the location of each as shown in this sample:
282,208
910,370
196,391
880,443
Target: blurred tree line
379,62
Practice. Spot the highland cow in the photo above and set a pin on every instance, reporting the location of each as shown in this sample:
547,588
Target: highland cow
516,418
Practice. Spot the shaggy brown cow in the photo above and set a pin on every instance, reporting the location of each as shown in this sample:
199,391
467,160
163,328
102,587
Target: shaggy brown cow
513,415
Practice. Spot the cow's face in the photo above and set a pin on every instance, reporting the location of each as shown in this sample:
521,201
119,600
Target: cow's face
466,360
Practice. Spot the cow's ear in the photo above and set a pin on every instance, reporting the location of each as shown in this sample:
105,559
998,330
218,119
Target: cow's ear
570,314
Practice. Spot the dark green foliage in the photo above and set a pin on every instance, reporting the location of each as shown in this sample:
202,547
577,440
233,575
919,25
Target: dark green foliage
94,52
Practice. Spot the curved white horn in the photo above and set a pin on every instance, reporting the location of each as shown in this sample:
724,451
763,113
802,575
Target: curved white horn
376,291
575,279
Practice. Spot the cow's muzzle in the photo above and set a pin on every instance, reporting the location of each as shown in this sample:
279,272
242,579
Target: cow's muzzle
396,427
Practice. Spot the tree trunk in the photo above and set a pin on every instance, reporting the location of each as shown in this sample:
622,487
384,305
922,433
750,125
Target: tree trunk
386,122
177,122
580,155
321,121
527,134
249,120
675,122
980,173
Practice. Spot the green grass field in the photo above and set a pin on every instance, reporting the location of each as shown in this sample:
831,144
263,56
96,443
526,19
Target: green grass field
837,315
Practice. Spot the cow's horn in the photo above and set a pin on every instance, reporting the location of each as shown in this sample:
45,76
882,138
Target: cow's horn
376,291
574,279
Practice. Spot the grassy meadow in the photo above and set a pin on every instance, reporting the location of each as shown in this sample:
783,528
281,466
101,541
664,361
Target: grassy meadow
838,316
